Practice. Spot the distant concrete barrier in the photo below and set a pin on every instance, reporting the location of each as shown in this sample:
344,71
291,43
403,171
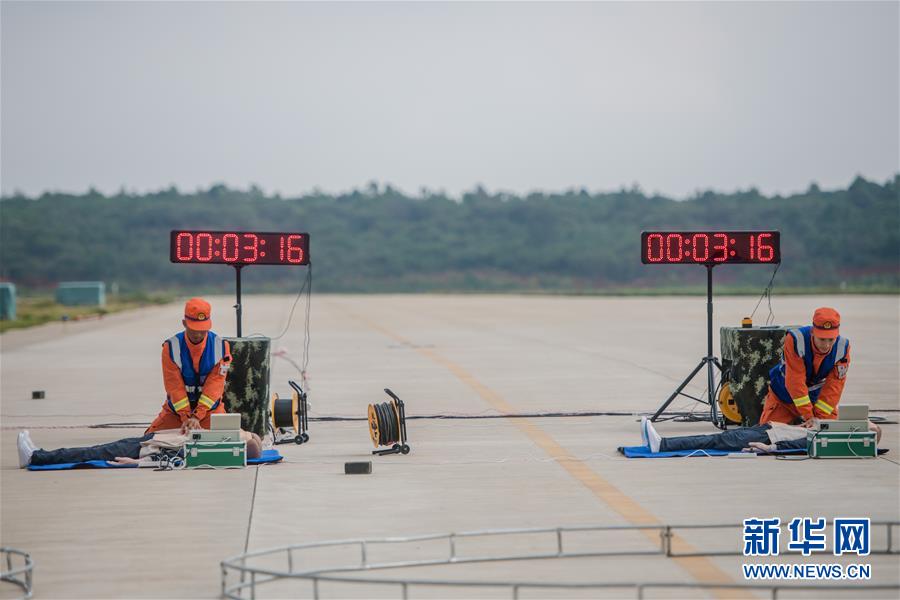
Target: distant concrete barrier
81,293
7,301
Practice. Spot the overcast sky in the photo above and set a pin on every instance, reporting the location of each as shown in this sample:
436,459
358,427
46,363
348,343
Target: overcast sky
676,97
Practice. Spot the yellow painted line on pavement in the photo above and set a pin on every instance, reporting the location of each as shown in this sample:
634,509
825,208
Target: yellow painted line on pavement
700,567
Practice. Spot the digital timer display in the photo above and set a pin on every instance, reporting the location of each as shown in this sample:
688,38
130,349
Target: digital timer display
239,247
710,247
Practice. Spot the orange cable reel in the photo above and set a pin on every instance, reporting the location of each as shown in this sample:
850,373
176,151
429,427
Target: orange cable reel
387,426
728,405
289,418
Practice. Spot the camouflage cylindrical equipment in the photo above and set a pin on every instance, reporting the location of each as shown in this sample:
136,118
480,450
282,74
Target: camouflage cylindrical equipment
748,353
247,386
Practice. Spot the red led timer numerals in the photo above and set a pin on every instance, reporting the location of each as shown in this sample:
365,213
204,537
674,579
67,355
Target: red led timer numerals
696,243
253,247
294,253
202,247
764,252
180,253
239,247
230,251
675,247
653,237
712,247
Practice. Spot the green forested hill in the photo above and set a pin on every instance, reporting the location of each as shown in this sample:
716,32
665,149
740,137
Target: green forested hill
381,240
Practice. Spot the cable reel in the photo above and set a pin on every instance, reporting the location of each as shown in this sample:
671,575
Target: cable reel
728,405
290,417
387,425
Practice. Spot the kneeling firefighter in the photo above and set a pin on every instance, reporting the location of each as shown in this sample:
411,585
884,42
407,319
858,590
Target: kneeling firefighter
808,383
195,364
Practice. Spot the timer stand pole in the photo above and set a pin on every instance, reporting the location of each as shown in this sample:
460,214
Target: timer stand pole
708,361
237,288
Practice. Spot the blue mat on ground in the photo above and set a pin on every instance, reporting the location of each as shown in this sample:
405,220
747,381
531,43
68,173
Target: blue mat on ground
644,452
268,456
88,464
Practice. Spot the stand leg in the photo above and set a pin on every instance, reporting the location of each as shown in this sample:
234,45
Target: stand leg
678,390
710,359
711,386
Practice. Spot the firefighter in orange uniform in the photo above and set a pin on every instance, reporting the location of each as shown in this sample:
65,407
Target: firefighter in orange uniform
194,363
807,385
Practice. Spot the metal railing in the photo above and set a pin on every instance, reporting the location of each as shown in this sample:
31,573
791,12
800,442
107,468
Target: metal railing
241,577
11,574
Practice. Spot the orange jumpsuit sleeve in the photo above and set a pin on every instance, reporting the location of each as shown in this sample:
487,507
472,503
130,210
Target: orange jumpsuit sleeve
795,378
174,384
214,386
830,394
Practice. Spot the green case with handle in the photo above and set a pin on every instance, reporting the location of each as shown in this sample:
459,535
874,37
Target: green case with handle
215,455
841,444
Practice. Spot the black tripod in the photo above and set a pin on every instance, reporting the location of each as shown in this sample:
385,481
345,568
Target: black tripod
709,361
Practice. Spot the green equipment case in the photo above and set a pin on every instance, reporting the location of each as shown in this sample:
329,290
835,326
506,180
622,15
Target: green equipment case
841,444
215,455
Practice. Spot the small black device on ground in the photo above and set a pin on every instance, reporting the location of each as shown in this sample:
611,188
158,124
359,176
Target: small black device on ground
358,468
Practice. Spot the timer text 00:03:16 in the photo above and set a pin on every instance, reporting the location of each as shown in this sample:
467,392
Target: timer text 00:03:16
712,247
239,247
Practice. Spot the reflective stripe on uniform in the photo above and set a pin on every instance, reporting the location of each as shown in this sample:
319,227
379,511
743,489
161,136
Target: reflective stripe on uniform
181,404
206,401
824,407
175,350
841,352
799,343
802,401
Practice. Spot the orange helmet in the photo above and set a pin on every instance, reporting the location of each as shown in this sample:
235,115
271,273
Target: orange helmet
197,314
826,323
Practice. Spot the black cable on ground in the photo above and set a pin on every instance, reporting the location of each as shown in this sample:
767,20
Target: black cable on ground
685,416
386,421
388,432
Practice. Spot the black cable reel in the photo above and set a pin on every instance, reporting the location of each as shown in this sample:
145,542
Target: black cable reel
290,417
387,425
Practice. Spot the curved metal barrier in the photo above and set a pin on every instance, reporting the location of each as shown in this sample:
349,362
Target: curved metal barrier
11,574
243,574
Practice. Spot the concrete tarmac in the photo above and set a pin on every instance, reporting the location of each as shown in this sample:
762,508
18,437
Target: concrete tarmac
140,533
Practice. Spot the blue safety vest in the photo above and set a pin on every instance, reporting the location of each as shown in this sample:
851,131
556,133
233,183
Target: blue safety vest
814,380
194,380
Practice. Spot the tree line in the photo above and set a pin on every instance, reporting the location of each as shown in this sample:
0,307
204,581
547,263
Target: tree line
380,240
